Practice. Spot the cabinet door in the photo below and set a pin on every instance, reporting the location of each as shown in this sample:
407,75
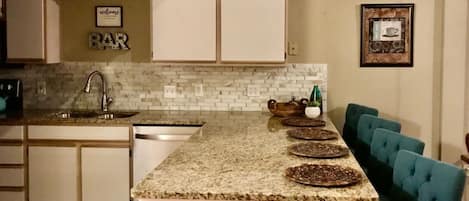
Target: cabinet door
11,132
25,30
53,174
184,30
33,31
11,154
52,34
42,132
12,196
105,174
12,177
253,31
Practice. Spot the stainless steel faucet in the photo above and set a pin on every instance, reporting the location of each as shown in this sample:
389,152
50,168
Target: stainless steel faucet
105,101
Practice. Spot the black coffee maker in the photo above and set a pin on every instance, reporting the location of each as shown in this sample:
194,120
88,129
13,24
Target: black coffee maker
11,91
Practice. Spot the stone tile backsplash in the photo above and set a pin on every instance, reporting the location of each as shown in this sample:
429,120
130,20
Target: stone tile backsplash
139,86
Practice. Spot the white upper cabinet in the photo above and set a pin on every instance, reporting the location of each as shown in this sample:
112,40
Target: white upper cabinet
184,30
253,31
33,31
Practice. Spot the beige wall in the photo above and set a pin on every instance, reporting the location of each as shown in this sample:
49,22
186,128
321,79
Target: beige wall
329,31
453,80
466,128
79,19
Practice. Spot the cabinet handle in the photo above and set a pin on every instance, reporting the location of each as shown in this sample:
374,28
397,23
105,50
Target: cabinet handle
159,137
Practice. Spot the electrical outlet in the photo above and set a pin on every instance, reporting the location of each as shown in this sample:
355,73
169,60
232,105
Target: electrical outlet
170,91
253,91
198,90
41,88
292,48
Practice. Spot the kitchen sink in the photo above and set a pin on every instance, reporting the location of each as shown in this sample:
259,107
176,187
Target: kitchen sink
77,114
116,115
95,114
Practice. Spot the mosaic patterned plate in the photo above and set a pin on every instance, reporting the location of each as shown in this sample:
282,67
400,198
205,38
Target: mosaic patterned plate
303,122
323,175
312,134
318,150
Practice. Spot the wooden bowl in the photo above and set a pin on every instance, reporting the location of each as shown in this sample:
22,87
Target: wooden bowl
291,108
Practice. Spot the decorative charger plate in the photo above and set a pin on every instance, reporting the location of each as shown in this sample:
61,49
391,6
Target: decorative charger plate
318,150
323,175
303,122
312,134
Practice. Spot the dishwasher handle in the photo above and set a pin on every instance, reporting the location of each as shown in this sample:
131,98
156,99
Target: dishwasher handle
163,137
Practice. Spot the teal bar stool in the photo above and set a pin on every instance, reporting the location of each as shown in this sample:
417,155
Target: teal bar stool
418,178
384,148
352,115
366,127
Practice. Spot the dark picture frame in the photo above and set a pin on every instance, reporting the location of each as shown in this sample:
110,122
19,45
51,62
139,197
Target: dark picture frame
387,35
106,16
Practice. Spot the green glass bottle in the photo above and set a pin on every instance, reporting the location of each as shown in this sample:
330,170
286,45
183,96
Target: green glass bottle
316,96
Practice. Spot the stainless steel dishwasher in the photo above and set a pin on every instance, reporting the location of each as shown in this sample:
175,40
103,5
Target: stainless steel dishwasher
154,143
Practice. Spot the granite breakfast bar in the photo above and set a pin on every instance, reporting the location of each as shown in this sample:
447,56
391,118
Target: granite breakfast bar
236,156
242,156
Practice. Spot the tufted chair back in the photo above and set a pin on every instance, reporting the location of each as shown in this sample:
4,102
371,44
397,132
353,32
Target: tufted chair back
418,178
366,127
386,144
352,115
384,148
368,123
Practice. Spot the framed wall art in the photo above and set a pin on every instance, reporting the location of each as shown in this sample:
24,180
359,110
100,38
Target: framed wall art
387,35
109,16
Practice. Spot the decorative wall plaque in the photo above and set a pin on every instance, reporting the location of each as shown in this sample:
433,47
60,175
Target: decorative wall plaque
108,40
109,16
387,35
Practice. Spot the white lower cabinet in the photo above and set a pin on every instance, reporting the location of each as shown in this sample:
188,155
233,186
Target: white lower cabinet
12,177
11,154
11,132
53,174
79,163
105,174
12,196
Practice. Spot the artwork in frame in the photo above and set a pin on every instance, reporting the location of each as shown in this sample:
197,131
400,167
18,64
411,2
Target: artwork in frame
387,35
109,16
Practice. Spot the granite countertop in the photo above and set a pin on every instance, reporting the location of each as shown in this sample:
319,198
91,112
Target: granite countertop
236,156
143,117
242,156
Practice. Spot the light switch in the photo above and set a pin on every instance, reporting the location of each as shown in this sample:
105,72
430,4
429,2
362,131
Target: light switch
198,90
292,48
42,88
169,91
253,91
